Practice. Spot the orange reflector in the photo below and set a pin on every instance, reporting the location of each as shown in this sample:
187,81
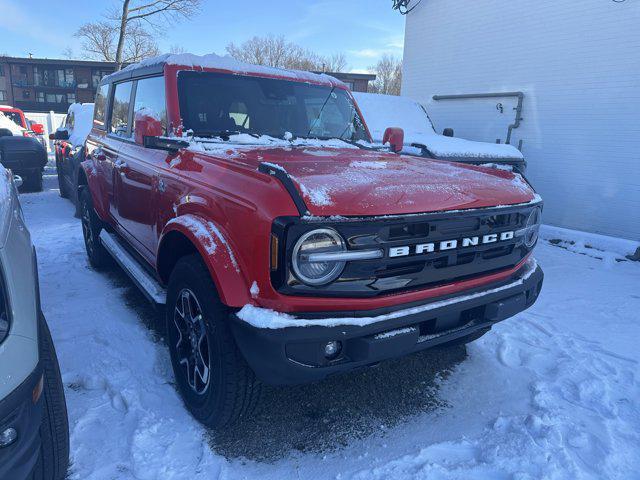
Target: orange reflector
37,391
274,252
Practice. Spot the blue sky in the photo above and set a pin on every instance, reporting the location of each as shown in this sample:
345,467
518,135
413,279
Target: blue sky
362,29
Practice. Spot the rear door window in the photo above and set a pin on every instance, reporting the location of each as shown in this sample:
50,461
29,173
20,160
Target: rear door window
150,99
119,124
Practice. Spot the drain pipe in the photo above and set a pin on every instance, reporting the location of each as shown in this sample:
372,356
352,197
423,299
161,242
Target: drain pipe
518,109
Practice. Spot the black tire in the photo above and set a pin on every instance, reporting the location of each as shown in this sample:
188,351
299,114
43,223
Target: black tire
232,391
33,181
62,185
54,429
99,258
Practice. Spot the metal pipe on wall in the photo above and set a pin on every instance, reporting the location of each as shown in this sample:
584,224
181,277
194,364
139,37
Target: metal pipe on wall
519,95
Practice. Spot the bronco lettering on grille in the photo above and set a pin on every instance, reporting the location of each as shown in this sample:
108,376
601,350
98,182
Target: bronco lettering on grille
445,245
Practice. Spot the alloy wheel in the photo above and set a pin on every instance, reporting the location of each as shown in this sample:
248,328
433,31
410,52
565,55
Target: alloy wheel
192,344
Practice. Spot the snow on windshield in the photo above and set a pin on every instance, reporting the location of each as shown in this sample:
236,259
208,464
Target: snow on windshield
6,122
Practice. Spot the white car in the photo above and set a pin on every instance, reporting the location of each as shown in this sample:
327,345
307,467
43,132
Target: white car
34,432
421,139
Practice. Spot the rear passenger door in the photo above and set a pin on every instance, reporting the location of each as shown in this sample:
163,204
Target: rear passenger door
137,171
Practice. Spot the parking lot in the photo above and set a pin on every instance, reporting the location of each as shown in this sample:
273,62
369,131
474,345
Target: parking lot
552,392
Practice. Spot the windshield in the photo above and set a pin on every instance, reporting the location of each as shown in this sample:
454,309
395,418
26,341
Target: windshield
14,116
213,104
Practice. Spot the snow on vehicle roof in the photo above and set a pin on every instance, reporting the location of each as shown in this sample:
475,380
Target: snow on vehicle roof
230,64
382,111
83,122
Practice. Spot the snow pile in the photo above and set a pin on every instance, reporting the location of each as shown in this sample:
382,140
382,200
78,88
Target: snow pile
590,244
383,111
82,122
229,64
6,122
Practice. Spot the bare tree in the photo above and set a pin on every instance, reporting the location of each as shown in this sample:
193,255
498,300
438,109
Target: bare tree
177,49
388,72
124,28
277,52
336,63
99,42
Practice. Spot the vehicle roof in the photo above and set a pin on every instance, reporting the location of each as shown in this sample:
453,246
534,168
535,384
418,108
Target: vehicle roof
213,62
9,108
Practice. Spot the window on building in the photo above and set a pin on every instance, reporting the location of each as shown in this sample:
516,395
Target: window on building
1,70
150,96
43,97
71,98
100,108
23,70
3,95
96,76
53,77
120,110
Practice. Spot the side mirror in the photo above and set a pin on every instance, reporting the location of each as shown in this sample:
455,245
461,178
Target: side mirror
37,128
448,132
395,137
146,126
17,180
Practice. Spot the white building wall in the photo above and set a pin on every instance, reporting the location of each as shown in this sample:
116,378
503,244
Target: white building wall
578,63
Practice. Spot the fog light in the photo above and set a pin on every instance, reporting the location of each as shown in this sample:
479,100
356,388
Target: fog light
332,349
7,437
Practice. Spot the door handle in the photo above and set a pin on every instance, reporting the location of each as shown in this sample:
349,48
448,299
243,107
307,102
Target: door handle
120,164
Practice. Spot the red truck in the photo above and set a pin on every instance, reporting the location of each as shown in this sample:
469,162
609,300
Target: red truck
285,248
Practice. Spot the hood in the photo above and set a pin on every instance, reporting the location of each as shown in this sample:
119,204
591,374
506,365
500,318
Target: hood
353,182
451,148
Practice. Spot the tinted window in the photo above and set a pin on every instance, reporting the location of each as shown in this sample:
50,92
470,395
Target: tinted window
150,99
213,104
120,110
100,106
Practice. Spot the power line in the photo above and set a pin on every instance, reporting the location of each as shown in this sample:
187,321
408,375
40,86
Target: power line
404,6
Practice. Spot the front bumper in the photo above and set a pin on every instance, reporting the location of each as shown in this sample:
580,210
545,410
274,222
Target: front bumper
18,411
295,355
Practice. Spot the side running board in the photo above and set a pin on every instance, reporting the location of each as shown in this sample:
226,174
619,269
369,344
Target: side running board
145,281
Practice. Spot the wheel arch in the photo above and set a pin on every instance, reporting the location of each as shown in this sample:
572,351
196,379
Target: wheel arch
189,234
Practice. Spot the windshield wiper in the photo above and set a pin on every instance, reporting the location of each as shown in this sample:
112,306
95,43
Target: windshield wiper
224,134
313,124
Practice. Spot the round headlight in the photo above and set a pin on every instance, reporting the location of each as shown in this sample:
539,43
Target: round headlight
532,228
312,271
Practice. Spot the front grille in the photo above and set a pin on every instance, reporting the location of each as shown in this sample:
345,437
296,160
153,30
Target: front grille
387,275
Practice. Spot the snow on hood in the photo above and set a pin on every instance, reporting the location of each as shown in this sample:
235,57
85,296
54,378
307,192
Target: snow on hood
83,122
383,111
340,179
228,63
6,122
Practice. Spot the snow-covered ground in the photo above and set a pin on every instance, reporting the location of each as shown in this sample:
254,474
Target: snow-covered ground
552,393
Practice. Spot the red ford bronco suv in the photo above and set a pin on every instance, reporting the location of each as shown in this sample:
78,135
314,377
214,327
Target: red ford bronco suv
285,248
